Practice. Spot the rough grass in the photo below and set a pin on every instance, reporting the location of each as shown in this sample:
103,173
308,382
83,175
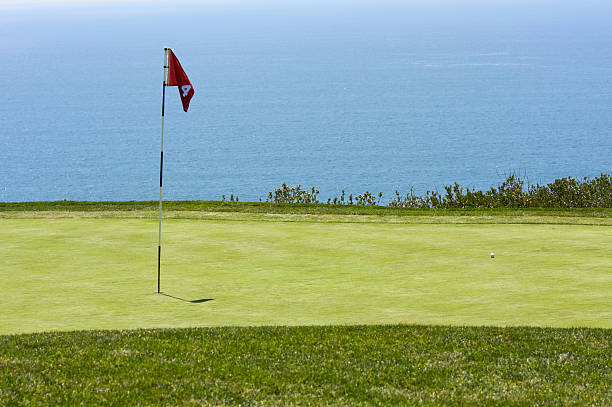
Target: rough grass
306,209
361,365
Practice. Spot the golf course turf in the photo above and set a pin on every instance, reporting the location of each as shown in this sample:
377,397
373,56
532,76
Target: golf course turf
498,329
363,365
66,270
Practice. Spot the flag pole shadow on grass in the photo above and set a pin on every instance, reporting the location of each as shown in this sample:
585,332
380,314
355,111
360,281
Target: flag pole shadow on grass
191,301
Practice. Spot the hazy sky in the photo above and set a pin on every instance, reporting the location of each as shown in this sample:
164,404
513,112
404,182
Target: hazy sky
31,3
576,4
487,9
529,8
304,15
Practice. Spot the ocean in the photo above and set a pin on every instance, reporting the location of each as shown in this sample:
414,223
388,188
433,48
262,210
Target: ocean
355,96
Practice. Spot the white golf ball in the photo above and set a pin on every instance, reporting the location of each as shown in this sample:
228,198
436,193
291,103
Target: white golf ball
492,255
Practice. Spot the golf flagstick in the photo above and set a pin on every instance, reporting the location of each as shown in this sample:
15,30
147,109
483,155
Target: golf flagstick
161,167
174,75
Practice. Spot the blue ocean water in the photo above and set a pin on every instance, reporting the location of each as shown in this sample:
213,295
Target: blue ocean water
358,96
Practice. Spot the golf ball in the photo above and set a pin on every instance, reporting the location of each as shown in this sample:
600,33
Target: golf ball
492,255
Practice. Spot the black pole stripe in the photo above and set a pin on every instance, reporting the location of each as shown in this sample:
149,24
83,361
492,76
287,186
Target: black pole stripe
163,97
161,168
158,267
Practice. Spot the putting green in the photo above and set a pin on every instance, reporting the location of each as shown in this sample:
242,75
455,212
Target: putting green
100,273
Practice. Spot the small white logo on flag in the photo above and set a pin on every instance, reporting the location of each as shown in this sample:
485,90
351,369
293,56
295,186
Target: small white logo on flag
186,89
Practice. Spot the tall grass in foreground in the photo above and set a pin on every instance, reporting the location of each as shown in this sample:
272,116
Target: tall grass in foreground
341,365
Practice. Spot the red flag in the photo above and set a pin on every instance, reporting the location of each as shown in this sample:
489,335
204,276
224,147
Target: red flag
178,77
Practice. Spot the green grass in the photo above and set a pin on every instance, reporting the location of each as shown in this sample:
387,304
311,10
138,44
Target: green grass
86,265
65,270
363,365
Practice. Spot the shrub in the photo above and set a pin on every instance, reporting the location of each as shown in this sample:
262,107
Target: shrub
286,194
511,193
